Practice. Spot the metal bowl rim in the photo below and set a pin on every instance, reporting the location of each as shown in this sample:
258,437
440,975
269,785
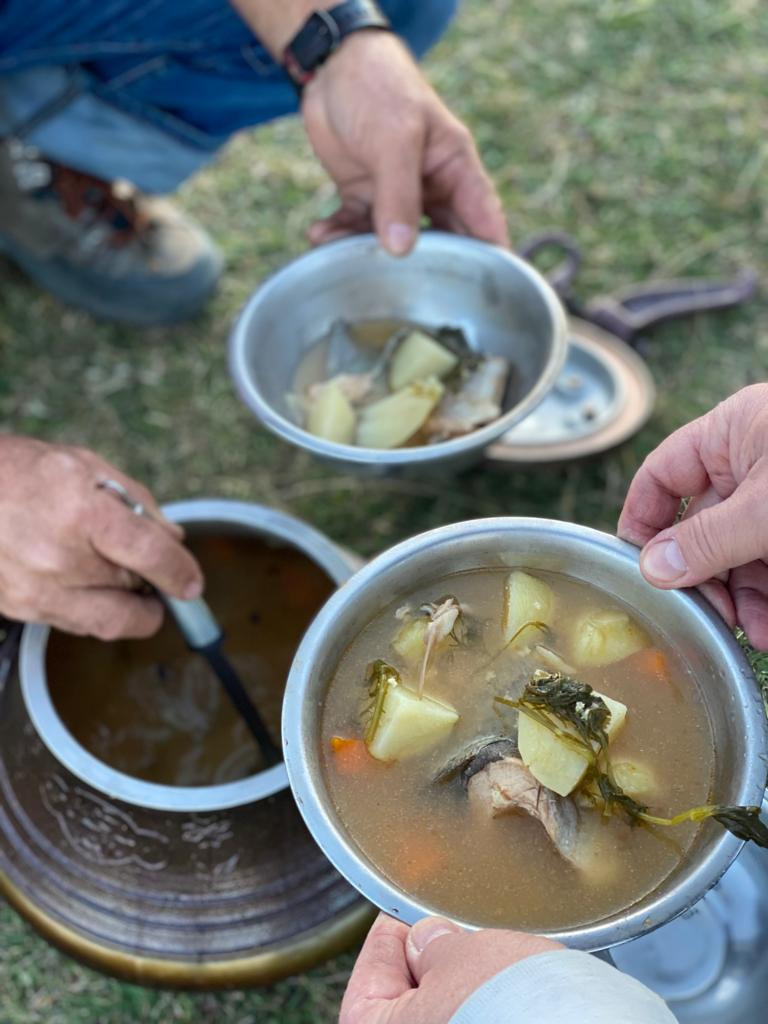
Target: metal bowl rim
352,864
478,439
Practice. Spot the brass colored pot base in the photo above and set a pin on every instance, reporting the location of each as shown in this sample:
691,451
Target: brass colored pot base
203,901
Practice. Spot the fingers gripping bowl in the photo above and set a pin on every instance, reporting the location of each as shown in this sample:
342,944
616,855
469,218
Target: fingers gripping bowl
708,712
499,304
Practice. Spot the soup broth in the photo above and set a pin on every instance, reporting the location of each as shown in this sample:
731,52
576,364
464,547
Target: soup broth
154,709
438,840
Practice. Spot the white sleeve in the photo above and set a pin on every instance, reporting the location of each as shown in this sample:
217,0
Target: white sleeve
563,988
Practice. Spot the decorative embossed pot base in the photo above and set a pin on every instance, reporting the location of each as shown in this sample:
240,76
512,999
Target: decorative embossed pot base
195,899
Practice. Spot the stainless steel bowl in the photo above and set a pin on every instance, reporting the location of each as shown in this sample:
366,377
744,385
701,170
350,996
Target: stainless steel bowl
503,305
725,679
234,517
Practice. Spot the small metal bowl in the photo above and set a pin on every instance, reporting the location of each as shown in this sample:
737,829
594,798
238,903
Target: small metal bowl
726,682
502,304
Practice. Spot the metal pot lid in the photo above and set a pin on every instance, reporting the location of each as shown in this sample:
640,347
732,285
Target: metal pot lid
604,395
711,964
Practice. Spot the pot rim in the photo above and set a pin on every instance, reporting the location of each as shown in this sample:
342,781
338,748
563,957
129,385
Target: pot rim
311,796
360,246
119,785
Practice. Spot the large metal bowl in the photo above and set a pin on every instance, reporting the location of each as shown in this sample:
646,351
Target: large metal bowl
727,686
503,305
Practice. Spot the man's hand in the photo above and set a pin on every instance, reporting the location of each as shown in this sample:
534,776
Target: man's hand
71,555
422,975
721,545
394,150
390,144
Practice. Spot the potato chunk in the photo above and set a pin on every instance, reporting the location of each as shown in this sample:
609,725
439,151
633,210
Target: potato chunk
330,414
393,420
419,356
551,759
526,599
411,641
603,636
636,779
409,725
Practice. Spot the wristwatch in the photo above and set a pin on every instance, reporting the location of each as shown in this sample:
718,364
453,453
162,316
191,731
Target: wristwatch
323,33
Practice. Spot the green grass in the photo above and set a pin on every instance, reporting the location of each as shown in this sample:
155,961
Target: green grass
637,125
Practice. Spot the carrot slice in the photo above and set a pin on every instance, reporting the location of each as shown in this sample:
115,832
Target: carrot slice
650,663
350,756
422,856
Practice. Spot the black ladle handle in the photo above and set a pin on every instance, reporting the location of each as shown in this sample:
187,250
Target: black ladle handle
204,636
230,681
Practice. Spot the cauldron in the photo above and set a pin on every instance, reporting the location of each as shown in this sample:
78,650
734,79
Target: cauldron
222,886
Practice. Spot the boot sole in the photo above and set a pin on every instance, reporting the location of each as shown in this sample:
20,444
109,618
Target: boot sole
150,303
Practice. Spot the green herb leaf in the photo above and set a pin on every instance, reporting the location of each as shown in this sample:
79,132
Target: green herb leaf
380,677
552,695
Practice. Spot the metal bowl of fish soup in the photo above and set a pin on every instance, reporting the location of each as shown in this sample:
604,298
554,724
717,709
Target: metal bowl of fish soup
204,517
503,306
722,674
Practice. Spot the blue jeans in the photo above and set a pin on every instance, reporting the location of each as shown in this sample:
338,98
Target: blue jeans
149,90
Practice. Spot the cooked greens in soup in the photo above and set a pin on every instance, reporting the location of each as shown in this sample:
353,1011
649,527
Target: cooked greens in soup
501,747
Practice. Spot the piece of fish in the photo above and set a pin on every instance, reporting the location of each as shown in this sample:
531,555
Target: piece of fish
442,621
346,357
476,403
505,786
479,752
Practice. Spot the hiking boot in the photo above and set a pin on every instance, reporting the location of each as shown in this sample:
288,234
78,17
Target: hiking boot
99,245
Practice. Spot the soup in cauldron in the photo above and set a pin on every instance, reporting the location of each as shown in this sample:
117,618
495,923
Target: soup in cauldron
154,709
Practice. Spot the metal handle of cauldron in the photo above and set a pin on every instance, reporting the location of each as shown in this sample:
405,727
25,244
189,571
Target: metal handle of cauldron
637,308
9,646
630,311
562,276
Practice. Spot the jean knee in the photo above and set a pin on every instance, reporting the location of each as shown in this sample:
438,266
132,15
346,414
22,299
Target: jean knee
420,22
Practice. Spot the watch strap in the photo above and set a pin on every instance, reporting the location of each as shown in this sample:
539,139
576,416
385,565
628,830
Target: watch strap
324,31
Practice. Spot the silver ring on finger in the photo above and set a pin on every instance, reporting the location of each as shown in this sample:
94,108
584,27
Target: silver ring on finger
122,493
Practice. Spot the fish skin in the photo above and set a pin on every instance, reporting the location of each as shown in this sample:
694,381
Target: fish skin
461,761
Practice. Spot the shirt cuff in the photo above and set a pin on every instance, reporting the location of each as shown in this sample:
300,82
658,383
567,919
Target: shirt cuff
563,988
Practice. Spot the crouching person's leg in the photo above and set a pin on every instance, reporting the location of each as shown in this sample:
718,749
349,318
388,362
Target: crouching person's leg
138,93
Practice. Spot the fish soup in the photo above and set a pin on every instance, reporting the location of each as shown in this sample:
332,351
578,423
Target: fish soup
495,746
392,384
154,709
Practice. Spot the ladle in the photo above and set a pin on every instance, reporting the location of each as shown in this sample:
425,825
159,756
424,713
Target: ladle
205,636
